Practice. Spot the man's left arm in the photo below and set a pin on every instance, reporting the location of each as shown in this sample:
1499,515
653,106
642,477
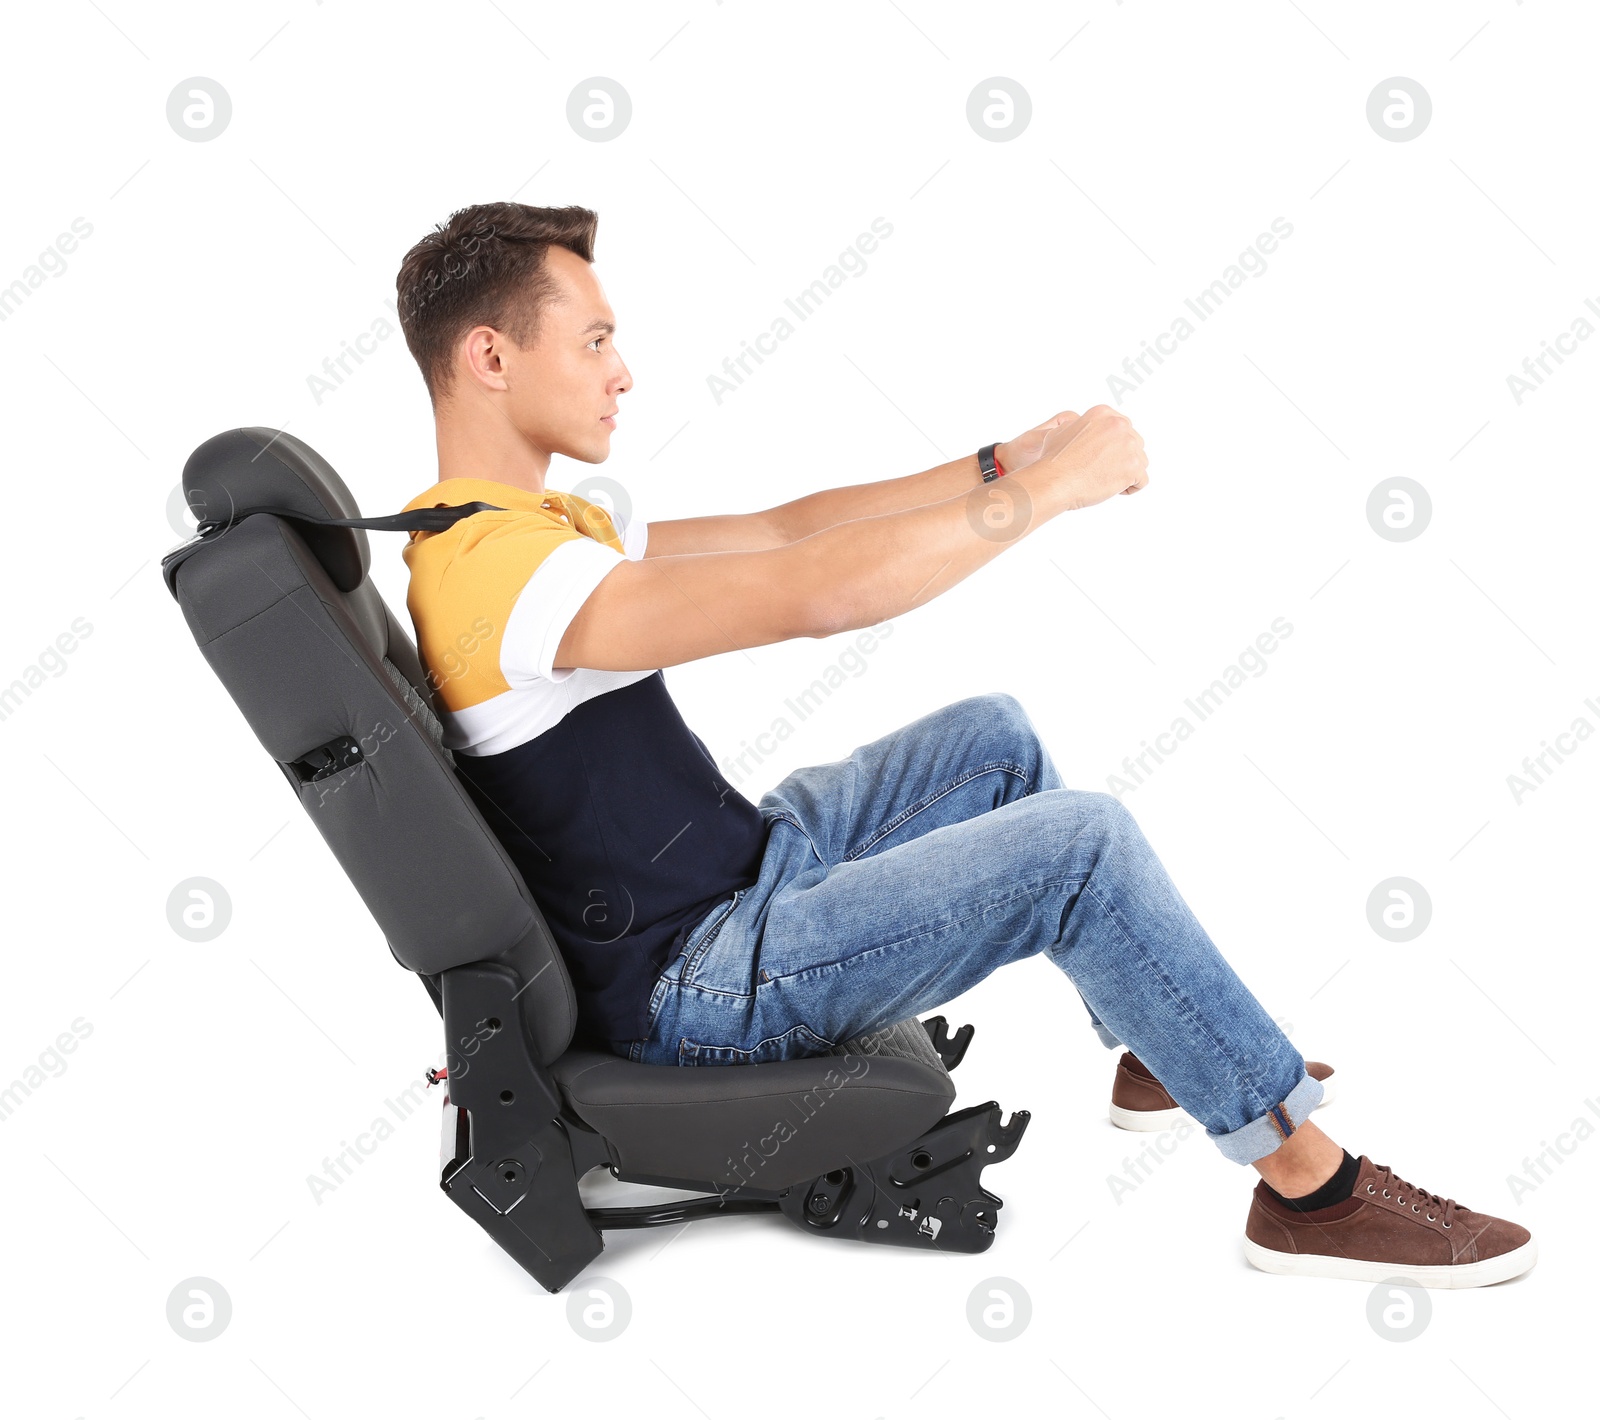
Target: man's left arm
789,522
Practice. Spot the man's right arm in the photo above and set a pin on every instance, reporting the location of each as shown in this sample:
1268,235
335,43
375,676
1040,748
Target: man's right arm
663,611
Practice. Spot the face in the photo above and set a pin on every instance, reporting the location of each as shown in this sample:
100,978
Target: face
561,393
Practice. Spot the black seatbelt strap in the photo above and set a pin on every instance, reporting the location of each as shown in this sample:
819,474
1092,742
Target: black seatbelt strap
418,520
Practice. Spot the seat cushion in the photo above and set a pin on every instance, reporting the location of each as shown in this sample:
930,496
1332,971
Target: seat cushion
907,1039
767,1126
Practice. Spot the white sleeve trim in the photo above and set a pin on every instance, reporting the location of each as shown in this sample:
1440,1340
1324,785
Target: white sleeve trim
546,606
635,533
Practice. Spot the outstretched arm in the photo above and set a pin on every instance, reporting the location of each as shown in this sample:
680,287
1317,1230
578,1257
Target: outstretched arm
647,614
789,522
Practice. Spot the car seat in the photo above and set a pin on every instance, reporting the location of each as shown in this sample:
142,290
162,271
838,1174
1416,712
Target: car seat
856,1143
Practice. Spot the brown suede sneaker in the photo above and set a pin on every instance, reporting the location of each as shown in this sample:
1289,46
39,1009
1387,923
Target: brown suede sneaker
1139,1102
1387,1228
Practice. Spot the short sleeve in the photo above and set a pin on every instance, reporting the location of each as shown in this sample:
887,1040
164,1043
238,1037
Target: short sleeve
546,606
635,533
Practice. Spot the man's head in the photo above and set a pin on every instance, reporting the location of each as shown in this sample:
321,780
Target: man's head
502,311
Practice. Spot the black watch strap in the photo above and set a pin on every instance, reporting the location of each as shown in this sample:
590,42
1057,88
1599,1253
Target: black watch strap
987,464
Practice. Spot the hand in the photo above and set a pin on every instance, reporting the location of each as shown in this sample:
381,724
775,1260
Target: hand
1088,459
1026,448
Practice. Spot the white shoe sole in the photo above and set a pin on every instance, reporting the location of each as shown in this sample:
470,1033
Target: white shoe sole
1462,1274
1148,1121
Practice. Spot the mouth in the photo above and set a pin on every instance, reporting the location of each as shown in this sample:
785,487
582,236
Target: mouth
610,421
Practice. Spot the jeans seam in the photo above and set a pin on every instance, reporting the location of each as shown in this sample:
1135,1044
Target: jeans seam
1253,1129
658,999
774,814
1005,765
692,956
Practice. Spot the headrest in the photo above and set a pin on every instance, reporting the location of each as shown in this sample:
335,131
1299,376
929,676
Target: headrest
247,468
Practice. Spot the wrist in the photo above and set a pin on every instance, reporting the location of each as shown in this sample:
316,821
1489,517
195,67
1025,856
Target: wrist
994,462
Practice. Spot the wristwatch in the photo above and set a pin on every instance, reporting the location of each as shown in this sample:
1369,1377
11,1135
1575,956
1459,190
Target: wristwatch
986,462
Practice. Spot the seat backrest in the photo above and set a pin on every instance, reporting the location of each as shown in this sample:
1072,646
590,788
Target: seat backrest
331,685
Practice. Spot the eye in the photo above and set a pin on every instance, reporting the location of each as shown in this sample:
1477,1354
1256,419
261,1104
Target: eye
596,341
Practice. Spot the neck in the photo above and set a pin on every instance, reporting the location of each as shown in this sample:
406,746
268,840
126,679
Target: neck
488,448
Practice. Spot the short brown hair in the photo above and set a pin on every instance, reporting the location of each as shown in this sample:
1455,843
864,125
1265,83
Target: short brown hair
485,266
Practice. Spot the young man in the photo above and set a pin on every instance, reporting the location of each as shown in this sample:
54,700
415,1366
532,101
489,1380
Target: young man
699,928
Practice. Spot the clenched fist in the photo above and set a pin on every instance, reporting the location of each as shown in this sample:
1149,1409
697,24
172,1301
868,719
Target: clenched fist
1085,460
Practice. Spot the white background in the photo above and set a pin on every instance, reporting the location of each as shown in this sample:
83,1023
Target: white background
216,1077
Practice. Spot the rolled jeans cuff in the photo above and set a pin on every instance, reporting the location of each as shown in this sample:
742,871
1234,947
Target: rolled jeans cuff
1262,1136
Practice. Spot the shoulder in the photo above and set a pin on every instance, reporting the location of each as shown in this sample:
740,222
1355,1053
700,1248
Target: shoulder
597,521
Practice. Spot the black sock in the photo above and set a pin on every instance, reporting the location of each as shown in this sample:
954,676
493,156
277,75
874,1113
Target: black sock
1335,1190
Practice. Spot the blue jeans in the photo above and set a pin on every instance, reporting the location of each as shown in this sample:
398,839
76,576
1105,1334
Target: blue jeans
900,876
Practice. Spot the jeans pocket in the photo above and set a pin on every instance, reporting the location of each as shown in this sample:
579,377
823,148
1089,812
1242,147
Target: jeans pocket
704,933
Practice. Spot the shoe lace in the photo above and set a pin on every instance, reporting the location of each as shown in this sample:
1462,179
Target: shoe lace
1419,1200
